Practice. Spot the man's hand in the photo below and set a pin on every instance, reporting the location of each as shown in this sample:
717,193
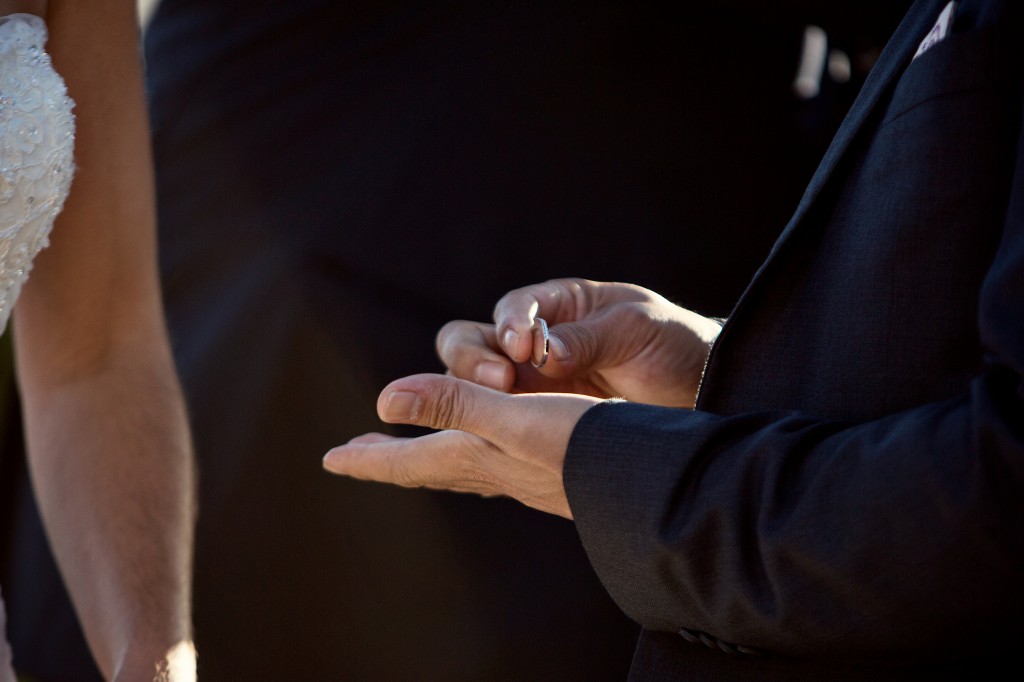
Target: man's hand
606,340
495,443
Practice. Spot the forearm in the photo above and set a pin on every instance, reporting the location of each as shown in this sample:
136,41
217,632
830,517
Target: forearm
106,428
799,535
109,455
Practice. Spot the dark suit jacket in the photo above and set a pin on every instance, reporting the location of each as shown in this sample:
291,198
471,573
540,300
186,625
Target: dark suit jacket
323,170
847,500
336,181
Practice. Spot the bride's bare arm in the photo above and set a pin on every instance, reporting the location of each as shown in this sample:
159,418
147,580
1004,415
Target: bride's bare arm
109,446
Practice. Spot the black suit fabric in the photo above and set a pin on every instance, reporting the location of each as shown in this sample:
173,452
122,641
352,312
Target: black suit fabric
335,184
336,181
846,500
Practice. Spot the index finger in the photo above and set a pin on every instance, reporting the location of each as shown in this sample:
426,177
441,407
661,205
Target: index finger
515,315
470,351
433,461
556,301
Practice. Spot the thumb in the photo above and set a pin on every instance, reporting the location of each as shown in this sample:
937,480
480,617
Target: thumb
597,342
438,401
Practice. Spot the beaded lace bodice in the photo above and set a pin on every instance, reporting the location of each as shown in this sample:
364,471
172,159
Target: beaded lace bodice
36,150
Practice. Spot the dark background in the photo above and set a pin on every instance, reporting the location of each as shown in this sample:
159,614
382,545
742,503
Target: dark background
335,183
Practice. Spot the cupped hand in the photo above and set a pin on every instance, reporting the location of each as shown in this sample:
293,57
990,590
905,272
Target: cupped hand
606,340
492,443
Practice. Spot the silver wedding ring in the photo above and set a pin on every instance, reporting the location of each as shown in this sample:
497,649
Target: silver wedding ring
547,342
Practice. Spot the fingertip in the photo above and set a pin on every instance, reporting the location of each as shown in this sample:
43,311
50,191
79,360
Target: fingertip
519,345
510,342
332,460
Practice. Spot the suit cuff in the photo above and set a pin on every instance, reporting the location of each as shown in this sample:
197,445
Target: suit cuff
615,476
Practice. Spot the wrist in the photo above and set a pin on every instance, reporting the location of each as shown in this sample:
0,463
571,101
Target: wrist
158,664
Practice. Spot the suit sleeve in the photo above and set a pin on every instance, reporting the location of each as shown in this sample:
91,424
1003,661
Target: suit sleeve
795,535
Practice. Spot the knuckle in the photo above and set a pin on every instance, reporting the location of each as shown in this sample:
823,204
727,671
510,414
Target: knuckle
639,318
400,469
585,345
447,408
403,475
578,294
472,469
635,312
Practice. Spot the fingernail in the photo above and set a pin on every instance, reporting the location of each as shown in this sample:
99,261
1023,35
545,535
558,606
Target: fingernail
401,406
511,341
559,351
491,374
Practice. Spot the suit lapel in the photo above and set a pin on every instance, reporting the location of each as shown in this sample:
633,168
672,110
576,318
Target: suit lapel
891,63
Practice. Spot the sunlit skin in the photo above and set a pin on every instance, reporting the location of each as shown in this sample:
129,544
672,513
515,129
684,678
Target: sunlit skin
504,424
107,437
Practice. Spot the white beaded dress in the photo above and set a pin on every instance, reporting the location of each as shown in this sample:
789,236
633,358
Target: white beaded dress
36,150
36,164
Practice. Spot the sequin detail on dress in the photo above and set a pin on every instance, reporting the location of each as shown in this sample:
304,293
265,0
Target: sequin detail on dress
37,133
